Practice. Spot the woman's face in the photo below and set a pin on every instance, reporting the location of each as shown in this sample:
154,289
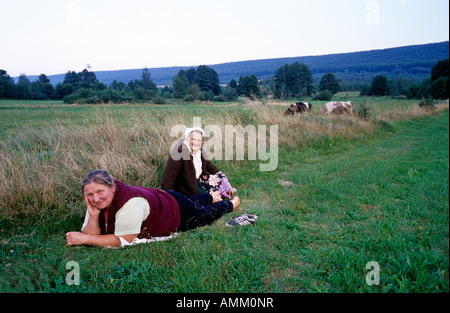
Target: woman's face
195,141
99,195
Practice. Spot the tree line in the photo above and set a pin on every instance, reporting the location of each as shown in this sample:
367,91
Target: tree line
202,83
434,87
290,81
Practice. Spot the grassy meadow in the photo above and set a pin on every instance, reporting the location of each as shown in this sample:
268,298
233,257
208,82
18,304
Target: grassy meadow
361,190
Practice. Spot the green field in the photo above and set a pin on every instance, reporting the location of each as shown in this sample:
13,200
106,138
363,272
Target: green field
362,190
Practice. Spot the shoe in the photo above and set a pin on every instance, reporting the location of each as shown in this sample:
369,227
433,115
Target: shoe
244,219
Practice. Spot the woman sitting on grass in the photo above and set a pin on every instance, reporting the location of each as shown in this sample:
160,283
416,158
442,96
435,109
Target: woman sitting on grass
190,172
116,210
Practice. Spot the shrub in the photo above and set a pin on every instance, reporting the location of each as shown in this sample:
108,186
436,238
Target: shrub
363,110
70,99
439,89
230,94
82,95
207,96
142,94
189,98
110,95
379,86
325,95
126,97
427,104
158,100
219,98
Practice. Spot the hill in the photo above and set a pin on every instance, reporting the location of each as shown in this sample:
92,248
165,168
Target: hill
411,62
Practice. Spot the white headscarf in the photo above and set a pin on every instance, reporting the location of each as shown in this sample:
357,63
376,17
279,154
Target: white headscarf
188,131
196,157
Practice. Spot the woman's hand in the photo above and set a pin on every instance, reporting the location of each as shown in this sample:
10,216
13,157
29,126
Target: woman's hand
216,196
93,211
92,227
76,238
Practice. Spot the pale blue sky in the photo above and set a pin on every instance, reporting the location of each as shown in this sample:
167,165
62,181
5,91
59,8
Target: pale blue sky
55,36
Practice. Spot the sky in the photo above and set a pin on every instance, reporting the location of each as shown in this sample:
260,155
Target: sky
56,36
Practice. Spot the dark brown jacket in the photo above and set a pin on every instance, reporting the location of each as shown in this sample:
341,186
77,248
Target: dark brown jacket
179,173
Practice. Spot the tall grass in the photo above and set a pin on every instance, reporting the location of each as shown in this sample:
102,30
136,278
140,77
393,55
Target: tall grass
41,168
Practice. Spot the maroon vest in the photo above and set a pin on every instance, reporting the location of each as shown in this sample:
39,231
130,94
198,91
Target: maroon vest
164,217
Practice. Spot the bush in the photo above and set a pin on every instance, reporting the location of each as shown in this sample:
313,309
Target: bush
325,95
158,100
70,99
207,96
109,95
85,93
82,95
230,94
189,98
40,96
439,88
363,110
142,94
219,98
379,86
126,97
365,90
418,91
427,104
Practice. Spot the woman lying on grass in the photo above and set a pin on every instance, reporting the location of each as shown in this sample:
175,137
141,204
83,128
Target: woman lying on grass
116,210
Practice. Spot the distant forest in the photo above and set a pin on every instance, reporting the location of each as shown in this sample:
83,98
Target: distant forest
351,69
415,72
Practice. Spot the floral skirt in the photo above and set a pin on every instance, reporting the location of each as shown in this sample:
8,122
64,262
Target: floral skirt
212,183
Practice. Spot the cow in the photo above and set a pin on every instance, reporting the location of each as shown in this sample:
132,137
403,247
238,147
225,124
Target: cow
298,107
337,108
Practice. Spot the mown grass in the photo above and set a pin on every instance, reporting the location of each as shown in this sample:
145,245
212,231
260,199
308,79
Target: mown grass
386,201
362,191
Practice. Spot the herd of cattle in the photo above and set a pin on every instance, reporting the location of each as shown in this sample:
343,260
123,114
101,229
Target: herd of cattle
334,107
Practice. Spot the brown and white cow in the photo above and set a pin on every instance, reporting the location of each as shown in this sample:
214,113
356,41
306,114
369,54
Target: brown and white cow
298,107
337,108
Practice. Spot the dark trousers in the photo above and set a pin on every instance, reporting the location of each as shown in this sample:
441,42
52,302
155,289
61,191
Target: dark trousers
198,210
